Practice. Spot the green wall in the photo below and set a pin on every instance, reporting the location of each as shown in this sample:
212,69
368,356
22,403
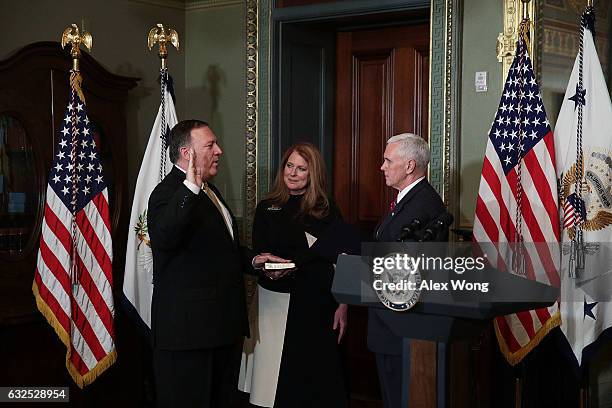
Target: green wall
215,87
119,29
477,109
209,70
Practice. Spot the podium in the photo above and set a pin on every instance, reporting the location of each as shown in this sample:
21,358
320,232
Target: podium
441,316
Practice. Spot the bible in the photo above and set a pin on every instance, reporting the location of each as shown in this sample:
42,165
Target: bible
277,266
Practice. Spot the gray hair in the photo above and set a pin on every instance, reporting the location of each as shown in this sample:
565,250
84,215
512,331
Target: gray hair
412,147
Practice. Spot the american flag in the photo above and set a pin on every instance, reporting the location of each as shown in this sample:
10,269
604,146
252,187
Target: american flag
73,280
518,177
574,211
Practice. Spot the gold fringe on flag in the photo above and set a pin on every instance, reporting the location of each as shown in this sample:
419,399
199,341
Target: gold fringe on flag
516,357
80,380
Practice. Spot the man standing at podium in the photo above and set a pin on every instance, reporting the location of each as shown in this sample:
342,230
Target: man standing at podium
405,165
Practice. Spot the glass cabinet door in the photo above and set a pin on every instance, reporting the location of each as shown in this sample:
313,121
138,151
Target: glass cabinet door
18,189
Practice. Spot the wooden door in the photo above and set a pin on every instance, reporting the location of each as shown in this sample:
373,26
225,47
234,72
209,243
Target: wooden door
382,90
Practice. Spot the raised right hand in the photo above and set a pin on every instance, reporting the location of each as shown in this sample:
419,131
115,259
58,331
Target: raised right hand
194,174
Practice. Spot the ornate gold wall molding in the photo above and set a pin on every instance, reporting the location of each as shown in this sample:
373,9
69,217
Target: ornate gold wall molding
251,115
506,41
444,100
563,41
451,97
252,58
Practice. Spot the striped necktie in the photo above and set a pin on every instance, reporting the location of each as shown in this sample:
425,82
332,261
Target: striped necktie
213,198
393,203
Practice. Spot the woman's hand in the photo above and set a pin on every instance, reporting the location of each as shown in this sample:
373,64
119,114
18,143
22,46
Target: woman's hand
340,321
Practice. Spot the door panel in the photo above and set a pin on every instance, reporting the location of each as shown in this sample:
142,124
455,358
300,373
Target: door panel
382,80
303,108
373,80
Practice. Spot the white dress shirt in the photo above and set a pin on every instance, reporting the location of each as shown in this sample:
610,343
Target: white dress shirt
405,191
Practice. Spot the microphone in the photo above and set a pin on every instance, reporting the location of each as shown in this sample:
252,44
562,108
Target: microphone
434,228
409,230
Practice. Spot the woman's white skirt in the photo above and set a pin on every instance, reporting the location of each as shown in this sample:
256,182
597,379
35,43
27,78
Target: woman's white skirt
261,355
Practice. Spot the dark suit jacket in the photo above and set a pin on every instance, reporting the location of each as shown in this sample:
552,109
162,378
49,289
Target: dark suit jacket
424,203
198,290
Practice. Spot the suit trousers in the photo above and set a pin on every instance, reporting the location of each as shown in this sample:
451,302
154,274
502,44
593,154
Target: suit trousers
390,377
194,378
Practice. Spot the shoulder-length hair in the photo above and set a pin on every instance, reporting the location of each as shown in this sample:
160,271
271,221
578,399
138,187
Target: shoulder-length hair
315,202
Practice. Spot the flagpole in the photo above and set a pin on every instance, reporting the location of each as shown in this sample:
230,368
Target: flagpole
520,255
584,395
161,36
584,385
72,35
517,392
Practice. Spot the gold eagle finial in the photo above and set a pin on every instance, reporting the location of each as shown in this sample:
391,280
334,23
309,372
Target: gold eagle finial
160,35
71,35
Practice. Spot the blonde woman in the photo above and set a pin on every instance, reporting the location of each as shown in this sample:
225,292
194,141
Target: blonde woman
296,362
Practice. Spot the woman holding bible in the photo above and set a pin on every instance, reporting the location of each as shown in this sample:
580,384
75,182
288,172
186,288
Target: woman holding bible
294,360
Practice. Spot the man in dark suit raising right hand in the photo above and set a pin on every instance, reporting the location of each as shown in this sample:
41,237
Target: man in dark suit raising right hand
405,167
198,312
